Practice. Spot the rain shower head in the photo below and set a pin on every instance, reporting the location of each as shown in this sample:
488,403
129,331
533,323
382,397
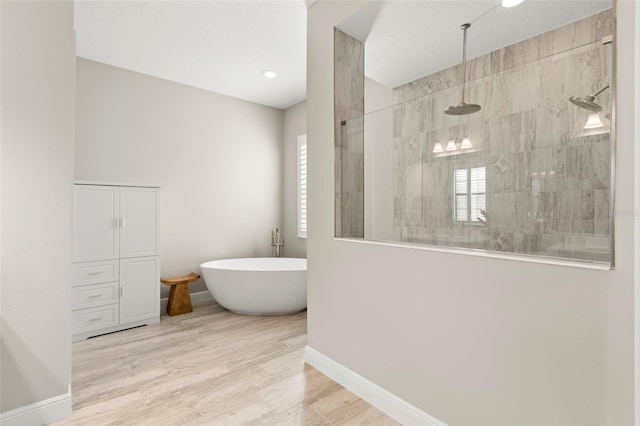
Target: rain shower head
587,102
463,108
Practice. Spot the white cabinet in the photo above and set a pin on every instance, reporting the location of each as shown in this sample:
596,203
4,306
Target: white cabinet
96,213
139,280
116,270
113,222
139,222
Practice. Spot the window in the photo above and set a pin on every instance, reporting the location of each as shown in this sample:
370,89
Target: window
302,186
469,186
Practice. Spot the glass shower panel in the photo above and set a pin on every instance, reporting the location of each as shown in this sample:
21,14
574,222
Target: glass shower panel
529,174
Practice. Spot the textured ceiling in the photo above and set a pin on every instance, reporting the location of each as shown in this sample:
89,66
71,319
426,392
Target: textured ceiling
406,40
223,46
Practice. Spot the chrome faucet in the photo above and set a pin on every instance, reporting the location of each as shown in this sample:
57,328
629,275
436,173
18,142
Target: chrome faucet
276,241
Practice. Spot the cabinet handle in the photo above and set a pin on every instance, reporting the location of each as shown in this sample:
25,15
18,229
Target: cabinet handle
95,273
95,296
121,292
122,222
95,319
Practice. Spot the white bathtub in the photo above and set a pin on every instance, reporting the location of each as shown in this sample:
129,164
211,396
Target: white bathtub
259,286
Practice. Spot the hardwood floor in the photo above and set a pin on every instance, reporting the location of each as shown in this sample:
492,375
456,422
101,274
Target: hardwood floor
209,367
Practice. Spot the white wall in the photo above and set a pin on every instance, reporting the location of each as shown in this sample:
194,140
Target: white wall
467,339
218,160
295,124
637,224
378,156
38,61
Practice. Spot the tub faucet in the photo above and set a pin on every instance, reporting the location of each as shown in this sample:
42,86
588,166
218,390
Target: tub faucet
276,241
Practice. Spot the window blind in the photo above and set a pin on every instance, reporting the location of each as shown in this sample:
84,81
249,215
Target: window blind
461,191
469,186
478,193
302,186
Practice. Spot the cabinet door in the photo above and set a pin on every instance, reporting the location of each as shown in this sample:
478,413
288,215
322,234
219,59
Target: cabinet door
95,222
140,283
139,226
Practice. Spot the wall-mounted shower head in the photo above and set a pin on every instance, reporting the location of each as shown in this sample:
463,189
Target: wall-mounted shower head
587,102
462,108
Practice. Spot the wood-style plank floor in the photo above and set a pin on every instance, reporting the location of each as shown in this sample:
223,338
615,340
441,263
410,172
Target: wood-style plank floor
210,367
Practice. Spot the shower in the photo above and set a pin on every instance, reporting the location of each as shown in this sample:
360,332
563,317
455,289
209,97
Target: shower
463,108
587,101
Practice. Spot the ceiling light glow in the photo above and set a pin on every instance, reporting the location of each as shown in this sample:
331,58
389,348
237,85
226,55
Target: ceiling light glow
437,148
451,145
269,74
511,3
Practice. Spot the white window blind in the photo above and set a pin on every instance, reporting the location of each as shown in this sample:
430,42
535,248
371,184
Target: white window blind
478,193
469,186
302,186
461,188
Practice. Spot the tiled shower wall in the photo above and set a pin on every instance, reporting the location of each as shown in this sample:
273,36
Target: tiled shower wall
547,178
349,139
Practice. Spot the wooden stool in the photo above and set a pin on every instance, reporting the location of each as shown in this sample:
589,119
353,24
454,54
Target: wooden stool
179,298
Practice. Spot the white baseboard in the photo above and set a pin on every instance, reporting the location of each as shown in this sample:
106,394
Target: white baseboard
197,298
380,398
39,413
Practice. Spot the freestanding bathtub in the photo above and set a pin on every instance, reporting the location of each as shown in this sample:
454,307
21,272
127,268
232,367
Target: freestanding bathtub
258,286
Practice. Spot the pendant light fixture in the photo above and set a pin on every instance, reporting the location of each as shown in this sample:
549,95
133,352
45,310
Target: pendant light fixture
593,122
466,143
451,145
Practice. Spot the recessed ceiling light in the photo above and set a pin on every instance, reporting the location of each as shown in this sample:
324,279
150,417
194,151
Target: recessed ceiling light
269,74
511,3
